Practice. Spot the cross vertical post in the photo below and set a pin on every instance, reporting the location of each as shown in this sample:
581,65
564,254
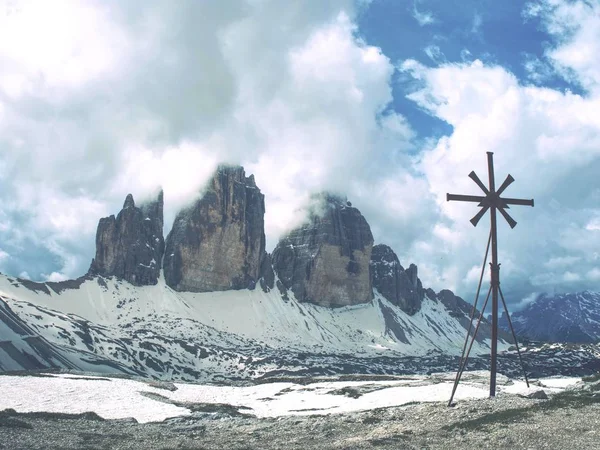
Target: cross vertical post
492,201
495,278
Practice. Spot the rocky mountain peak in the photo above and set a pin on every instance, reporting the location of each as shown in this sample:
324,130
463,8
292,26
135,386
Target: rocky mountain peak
566,317
131,245
326,260
218,243
400,287
129,203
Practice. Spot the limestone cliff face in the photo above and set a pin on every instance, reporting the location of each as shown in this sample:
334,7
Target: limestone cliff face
218,243
131,246
326,260
399,286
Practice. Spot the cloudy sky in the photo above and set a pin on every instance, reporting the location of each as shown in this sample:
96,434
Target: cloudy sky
391,102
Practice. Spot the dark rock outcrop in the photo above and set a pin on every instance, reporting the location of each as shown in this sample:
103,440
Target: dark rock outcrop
461,310
267,275
455,304
399,286
218,243
131,246
326,260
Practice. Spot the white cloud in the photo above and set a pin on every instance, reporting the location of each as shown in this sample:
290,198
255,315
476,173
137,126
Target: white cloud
561,262
435,54
57,45
571,276
576,27
129,99
593,274
55,277
538,70
474,274
476,23
527,300
593,225
288,90
548,140
422,17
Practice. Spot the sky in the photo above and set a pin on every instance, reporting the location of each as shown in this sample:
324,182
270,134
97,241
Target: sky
390,102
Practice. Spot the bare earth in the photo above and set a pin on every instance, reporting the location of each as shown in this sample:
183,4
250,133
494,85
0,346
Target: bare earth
570,420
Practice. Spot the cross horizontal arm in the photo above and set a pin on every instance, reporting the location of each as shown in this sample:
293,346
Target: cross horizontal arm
464,198
517,201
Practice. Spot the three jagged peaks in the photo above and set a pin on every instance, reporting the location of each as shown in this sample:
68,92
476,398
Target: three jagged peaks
218,244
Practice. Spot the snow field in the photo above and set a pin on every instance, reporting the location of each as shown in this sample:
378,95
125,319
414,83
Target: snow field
117,398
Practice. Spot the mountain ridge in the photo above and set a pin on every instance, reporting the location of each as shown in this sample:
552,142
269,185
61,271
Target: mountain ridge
208,308
568,317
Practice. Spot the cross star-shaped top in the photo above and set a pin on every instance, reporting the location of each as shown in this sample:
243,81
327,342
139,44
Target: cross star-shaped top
492,197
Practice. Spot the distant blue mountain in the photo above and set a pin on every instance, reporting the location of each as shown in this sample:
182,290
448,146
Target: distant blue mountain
571,317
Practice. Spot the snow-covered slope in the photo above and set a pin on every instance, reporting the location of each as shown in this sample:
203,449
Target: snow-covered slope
21,348
24,347
560,318
154,331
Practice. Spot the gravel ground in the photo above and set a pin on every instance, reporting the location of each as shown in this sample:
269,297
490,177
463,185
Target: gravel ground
570,420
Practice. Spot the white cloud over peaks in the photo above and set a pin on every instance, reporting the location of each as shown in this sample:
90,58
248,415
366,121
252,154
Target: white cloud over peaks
99,99
55,45
548,140
527,300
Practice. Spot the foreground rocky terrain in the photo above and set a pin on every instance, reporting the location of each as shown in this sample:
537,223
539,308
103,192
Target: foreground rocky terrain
569,419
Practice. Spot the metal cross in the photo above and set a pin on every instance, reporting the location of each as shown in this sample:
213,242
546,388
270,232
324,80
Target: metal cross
492,202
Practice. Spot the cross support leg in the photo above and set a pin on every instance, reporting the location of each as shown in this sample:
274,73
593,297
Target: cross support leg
495,285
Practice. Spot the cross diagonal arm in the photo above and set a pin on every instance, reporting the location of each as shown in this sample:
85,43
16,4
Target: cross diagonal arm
507,183
512,222
475,220
479,183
